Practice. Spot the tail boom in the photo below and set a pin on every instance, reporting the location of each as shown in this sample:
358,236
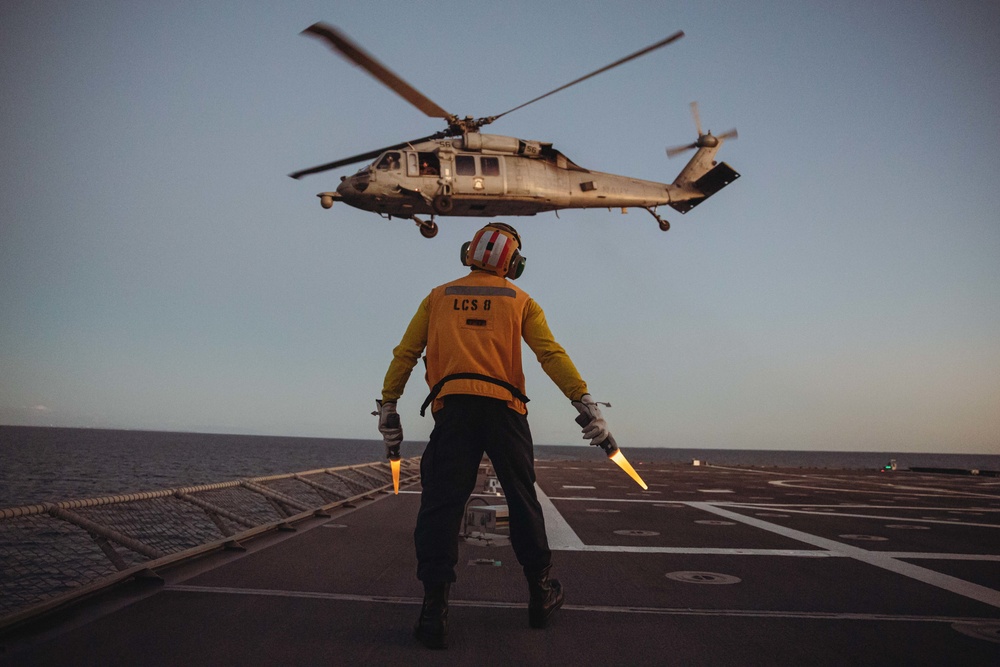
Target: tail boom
685,197
701,178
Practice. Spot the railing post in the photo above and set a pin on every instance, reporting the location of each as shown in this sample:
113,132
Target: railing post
236,513
108,533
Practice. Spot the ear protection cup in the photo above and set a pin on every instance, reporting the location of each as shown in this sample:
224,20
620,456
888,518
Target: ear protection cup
465,253
516,266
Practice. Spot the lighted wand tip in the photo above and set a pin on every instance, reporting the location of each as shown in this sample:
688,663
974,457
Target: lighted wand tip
394,464
623,463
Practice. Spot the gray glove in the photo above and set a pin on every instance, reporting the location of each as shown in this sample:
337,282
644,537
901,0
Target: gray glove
595,428
390,427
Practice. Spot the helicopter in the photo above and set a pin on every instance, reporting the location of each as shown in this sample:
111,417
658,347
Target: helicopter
460,171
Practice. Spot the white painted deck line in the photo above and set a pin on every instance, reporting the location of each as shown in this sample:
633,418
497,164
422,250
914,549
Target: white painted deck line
877,517
887,489
878,559
562,537
665,611
560,534
709,551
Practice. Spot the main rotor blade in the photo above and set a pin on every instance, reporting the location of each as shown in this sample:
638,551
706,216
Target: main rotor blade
353,52
361,157
674,37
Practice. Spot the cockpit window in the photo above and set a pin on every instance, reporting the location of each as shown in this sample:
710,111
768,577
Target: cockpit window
389,162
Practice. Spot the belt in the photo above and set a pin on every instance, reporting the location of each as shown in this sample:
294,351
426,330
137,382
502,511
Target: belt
515,392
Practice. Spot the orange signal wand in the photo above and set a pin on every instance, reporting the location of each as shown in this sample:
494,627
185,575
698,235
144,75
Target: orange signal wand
394,463
392,451
610,448
623,463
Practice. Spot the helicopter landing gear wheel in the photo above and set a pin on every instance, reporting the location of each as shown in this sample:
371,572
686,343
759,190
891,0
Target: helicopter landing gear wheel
664,225
443,204
428,229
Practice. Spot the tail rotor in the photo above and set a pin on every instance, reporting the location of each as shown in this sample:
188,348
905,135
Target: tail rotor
704,140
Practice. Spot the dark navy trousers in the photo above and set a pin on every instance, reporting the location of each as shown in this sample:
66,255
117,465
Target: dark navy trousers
464,428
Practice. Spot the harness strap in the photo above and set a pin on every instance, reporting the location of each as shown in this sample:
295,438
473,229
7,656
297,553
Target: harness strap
515,392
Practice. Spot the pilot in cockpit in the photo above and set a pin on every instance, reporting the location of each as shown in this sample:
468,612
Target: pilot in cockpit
390,162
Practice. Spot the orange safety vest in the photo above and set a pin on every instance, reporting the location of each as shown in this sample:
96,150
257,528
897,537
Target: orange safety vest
474,340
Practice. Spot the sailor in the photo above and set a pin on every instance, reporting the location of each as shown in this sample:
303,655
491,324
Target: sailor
471,329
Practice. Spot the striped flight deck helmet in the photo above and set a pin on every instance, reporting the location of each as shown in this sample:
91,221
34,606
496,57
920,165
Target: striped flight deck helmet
495,248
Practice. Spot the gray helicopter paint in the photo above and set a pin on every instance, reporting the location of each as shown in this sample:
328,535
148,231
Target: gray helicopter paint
525,186
533,177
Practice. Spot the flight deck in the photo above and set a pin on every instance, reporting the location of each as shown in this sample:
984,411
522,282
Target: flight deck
709,566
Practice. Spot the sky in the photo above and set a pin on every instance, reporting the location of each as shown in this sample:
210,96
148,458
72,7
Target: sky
159,270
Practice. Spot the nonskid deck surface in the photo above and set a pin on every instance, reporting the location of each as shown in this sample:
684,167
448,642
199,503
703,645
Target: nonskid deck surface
710,566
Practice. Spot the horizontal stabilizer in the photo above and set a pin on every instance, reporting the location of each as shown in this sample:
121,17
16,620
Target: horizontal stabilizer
719,177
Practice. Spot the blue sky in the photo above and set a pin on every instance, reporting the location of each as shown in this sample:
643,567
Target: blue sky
159,270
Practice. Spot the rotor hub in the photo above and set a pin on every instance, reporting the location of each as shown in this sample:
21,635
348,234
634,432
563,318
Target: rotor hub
708,141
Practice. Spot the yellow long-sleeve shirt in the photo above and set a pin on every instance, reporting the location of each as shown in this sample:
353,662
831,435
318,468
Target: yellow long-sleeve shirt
475,325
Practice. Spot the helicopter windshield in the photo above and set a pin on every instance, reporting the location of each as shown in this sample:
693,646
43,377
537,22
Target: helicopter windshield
389,162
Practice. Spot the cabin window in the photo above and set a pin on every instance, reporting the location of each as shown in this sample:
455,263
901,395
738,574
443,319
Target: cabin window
389,162
429,164
490,166
465,165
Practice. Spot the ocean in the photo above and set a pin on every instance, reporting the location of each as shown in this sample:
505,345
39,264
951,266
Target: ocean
41,464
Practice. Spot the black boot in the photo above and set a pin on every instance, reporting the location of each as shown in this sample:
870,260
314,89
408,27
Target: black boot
546,597
432,627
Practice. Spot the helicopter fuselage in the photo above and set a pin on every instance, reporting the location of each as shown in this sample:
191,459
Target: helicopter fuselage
505,176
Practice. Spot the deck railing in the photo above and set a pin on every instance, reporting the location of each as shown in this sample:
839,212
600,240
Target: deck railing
52,553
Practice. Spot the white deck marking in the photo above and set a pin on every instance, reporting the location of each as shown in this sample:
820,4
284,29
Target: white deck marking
605,609
560,534
709,551
877,517
562,537
658,501
576,544
915,555
890,489
878,559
